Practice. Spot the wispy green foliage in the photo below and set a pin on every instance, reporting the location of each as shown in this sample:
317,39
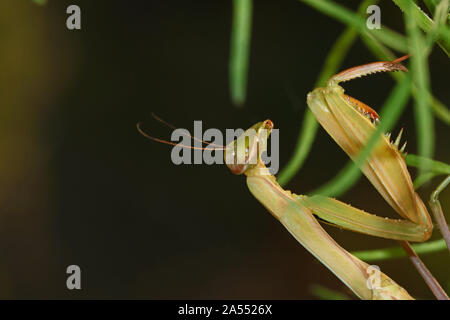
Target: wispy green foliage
308,130
387,36
383,53
420,73
240,50
378,42
410,8
421,34
309,126
431,4
423,178
440,111
398,252
435,168
377,45
433,165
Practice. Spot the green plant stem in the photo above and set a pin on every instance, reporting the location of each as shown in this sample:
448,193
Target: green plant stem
439,26
305,140
397,252
425,22
240,50
309,125
423,178
420,73
437,167
390,38
440,111
384,54
431,4
334,60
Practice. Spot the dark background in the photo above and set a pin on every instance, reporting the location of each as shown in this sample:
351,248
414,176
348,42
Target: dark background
79,185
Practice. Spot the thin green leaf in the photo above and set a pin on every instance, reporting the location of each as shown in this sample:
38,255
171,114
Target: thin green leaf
387,36
309,125
308,130
423,178
425,22
397,252
384,54
420,73
440,26
431,4
440,111
240,50
437,167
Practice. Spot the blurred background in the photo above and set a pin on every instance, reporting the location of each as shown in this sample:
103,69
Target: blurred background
80,186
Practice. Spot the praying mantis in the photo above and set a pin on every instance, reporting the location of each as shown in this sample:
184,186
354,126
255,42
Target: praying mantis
350,123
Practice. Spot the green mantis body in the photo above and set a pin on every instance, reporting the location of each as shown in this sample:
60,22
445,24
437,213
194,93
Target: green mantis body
293,212
299,220
350,126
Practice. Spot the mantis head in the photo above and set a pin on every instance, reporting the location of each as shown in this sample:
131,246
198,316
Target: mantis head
245,152
240,155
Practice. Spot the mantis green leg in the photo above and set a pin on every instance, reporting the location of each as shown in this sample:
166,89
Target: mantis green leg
342,215
351,123
301,223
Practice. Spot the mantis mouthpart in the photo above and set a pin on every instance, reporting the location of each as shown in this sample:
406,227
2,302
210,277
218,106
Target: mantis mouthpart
350,123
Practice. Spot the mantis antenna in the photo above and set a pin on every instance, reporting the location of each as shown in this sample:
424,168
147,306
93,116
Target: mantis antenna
142,132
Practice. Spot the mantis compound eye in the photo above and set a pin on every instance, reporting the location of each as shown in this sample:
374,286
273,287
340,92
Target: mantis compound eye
268,124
